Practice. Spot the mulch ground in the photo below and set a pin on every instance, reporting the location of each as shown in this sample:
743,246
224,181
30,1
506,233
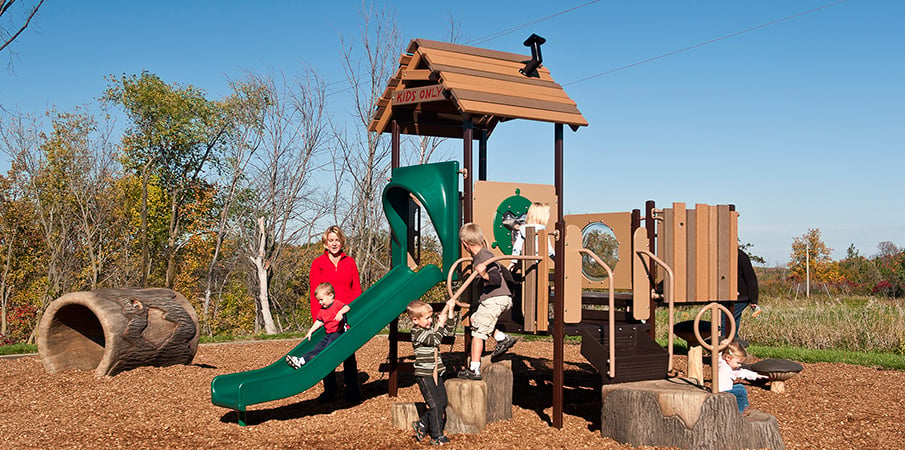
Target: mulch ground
828,406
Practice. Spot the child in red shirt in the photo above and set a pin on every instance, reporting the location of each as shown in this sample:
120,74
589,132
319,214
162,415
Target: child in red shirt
331,316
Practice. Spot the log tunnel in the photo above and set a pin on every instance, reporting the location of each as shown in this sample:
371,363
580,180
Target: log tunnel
113,330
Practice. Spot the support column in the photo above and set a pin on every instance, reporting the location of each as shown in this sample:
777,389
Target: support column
393,379
468,200
560,283
482,155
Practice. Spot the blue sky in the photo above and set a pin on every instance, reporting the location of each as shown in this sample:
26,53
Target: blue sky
799,123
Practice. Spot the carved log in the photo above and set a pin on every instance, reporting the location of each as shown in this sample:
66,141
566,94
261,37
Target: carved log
675,413
113,330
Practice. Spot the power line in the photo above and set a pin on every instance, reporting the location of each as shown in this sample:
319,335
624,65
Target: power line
526,24
705,43
489,37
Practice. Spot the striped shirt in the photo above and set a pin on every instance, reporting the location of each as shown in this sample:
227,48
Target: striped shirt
426,342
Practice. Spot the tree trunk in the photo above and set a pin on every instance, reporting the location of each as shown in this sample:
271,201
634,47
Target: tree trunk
113,330
261,270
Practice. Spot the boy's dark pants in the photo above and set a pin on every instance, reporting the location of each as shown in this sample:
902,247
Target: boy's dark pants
321,345
435,397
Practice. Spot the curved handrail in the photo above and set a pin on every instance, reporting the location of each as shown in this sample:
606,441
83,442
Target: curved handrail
611,311
714,353
467,282
670,301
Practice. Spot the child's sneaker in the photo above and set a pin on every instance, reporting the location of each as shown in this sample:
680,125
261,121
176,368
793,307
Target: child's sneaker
295,361
420,430
442,439
469,374
503,346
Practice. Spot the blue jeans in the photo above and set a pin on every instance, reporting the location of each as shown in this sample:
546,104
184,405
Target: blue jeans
435,397
741,396
737,309
321,345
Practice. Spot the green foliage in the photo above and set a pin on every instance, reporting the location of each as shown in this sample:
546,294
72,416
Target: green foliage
891,361
18,349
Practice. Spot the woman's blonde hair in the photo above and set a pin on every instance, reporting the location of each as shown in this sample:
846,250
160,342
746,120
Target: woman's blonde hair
538,214
338,232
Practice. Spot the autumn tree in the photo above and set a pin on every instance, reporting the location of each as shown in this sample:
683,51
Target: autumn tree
860,273
21,255
176,134
246,107
39,164
891,267
810,253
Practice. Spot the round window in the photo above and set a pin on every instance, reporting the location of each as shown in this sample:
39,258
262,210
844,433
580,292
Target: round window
600,239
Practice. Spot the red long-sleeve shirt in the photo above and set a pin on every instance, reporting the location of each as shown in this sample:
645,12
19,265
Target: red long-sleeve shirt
343,276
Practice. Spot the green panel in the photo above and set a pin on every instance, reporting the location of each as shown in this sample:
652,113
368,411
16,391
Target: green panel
512,207
369,313
436,186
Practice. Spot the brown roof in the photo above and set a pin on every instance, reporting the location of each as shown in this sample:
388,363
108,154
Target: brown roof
438,84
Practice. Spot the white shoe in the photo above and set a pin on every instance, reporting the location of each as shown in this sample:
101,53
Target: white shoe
295,361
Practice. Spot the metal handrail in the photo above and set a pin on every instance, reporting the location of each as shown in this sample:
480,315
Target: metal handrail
611,312
670,301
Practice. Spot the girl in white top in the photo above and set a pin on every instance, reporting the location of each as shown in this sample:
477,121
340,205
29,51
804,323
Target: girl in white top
537,217
730,368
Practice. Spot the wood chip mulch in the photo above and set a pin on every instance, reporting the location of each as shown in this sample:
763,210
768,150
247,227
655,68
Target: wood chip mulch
827,406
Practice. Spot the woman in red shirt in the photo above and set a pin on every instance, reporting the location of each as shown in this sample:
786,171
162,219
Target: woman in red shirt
340,270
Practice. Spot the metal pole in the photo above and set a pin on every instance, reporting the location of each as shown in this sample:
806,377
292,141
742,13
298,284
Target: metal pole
807,269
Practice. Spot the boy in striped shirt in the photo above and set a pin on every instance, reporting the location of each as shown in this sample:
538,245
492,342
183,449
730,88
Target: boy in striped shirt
428,332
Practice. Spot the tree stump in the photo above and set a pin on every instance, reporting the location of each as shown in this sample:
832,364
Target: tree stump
113,330
676,413
404,413
475,403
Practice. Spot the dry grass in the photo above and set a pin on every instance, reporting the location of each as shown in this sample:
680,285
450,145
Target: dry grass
867,324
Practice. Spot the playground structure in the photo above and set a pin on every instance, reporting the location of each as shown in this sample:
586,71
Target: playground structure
610,273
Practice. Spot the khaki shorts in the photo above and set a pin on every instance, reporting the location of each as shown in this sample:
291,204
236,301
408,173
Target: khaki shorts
484,319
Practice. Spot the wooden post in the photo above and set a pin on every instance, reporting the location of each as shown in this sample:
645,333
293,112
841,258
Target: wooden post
393,356
530,269
696,363
559,297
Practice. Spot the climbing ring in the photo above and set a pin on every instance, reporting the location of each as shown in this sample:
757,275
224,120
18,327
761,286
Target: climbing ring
697,332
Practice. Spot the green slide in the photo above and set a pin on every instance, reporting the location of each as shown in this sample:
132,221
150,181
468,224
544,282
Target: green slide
369,314
435,187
